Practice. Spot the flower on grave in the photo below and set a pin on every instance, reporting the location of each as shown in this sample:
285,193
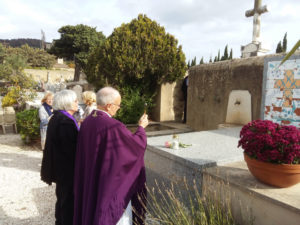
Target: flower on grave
267,141
168,144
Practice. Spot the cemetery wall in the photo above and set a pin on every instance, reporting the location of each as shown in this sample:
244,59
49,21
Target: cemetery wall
211,84
55,75
169,103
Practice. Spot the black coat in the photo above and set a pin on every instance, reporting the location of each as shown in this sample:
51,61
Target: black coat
60,148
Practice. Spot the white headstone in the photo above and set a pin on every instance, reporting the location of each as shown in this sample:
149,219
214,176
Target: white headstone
78,90
60,61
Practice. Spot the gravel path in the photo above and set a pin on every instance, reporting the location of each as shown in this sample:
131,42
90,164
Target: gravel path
24,198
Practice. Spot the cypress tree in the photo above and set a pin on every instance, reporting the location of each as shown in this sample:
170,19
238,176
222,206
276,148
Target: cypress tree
201,61
218,59
193,63
230,56
279,47
210,60
284,43
225,57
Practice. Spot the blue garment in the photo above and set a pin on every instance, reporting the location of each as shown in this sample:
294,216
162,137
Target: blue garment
47,108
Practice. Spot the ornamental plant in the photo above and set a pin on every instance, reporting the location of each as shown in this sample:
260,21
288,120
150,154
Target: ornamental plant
270,142
28,123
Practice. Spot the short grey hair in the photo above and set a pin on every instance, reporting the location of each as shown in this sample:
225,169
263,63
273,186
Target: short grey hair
107,95
64,100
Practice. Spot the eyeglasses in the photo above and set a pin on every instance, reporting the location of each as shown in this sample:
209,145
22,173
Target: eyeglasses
117,105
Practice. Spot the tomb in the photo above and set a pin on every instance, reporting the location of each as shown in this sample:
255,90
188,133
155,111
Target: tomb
216,163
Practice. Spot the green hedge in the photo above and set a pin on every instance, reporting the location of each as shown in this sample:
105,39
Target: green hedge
28,123
133,106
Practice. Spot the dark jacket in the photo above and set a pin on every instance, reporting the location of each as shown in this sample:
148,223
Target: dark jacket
59,153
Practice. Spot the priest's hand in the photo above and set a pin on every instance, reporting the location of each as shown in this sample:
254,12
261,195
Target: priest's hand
144,121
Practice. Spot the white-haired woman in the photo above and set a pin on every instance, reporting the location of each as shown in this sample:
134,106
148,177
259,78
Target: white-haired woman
59,153
45,113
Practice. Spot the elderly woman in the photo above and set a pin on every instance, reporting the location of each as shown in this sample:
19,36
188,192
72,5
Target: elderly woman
89,99
59,154
45,113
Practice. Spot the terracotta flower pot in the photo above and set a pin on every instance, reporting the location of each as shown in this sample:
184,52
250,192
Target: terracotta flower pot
278,175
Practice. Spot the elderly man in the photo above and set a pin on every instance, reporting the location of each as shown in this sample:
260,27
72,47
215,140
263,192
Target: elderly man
109,166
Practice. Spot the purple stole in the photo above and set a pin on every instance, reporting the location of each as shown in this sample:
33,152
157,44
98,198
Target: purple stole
70,116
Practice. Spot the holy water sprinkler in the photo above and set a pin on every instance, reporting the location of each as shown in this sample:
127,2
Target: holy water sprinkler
145,107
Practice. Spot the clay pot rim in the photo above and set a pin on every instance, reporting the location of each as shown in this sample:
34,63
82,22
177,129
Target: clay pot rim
292,168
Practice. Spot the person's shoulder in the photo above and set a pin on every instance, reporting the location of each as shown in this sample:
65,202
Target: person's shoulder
42,108
57,115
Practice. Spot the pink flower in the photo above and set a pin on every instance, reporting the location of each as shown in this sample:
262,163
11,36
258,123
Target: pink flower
168,144
271,142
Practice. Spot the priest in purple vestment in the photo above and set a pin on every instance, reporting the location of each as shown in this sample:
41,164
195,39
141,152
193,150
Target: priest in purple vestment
109,165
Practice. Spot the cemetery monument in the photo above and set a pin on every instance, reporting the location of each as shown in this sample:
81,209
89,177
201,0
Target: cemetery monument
255,47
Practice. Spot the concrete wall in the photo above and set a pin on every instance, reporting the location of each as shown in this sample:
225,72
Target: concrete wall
169,103
211,84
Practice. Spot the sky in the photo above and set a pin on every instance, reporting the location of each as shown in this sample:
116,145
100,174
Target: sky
202,27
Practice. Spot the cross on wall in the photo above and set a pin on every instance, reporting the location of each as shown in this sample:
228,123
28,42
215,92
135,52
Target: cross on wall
256,12
287,84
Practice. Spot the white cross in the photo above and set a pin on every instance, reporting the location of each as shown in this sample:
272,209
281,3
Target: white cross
256,12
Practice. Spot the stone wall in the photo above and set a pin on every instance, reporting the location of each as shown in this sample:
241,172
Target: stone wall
169,103
211,84
55,75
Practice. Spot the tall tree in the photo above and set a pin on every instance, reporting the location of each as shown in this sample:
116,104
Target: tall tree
202,61
225,56
218,59
279,47
231,54
210,59
75,43
194,61
138,55
284,43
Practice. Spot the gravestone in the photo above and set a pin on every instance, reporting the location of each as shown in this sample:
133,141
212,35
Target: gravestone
281,91
78,90
36,102
255,47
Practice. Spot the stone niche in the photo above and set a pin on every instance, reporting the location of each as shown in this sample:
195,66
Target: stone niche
239,107
169,103
211,84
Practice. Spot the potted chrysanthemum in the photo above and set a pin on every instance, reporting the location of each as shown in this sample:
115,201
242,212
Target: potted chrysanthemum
272,152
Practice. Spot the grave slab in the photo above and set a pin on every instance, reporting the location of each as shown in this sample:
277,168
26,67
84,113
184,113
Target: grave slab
215,147
209,149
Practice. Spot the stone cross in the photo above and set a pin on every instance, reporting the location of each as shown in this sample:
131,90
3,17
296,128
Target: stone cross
256,12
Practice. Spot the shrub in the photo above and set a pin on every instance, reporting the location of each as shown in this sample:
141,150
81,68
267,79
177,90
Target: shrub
139,54
28,124
11,97
133,106
16,96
